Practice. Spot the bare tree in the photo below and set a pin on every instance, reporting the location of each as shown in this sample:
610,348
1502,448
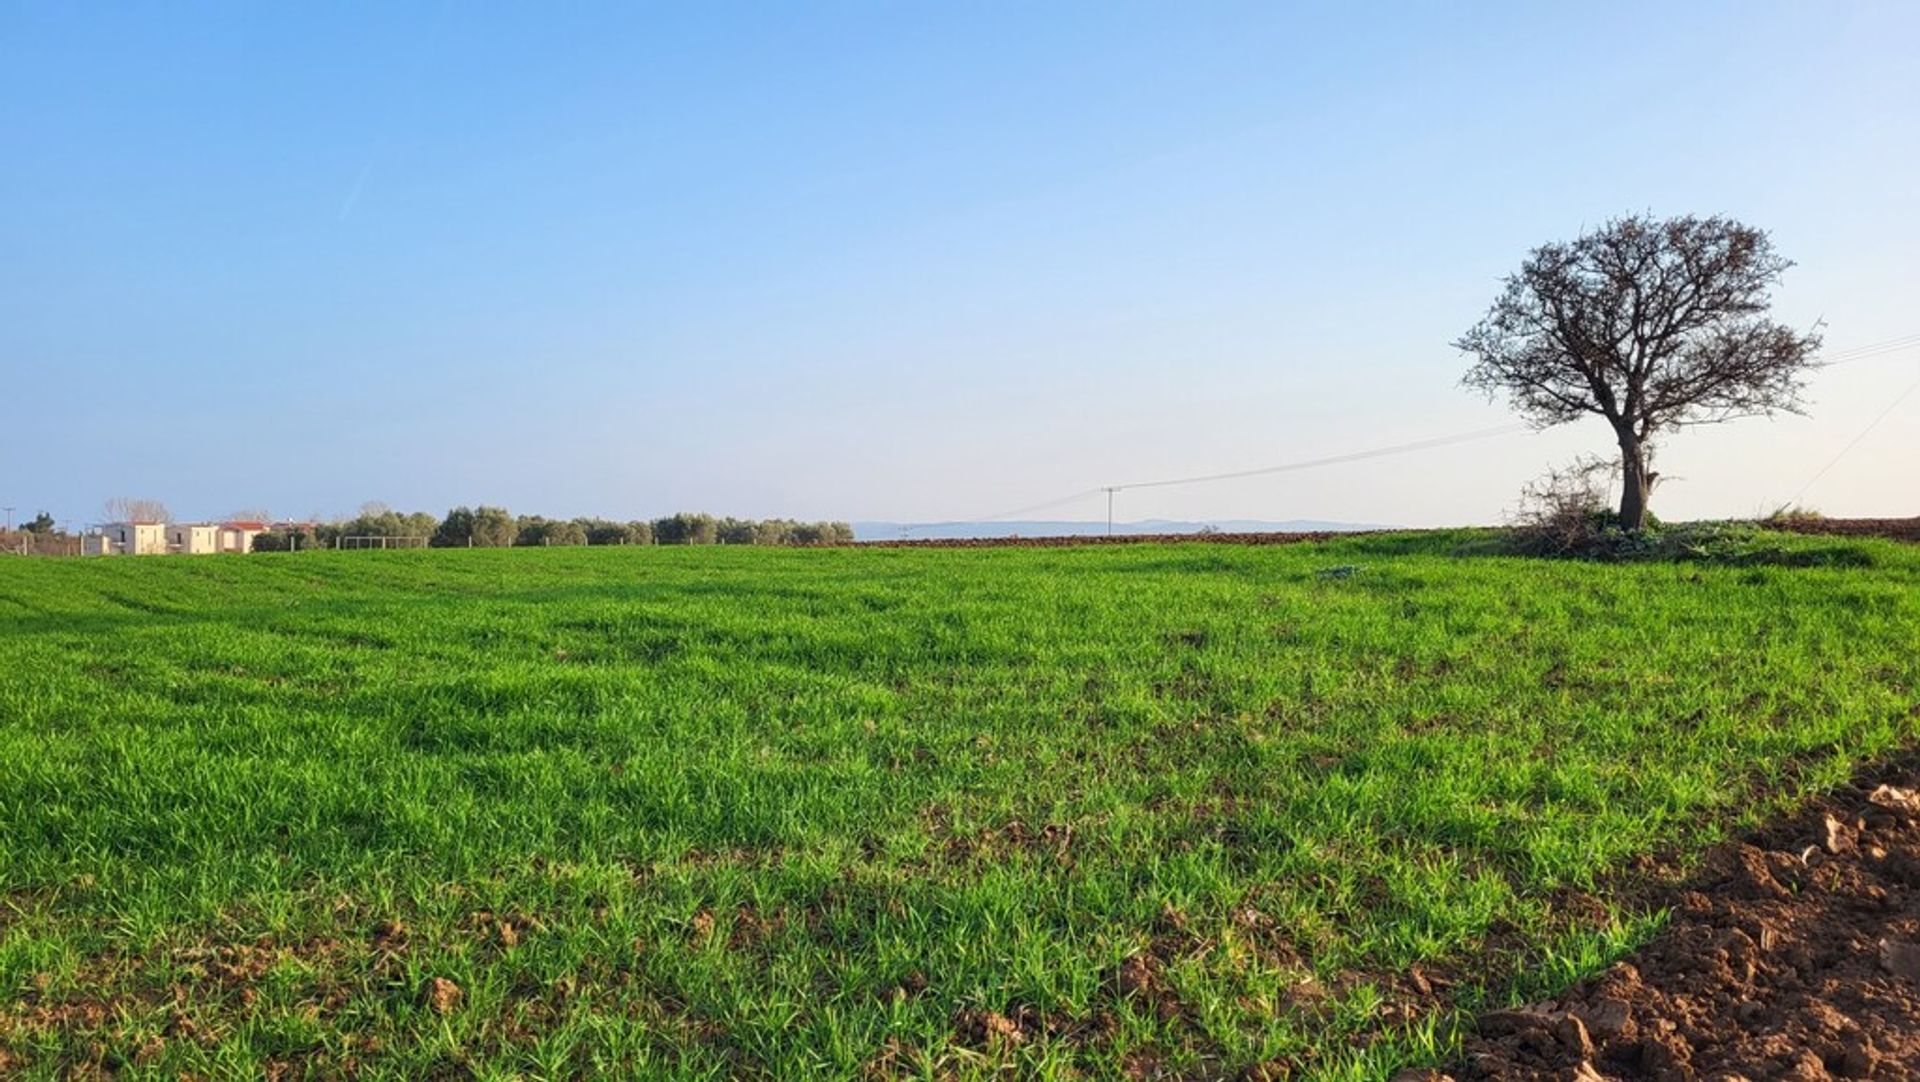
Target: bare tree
131,509
1650,324
250,514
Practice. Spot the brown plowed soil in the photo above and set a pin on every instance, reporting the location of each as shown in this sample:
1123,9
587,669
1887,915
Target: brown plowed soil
1900,529
1119,539
1792,954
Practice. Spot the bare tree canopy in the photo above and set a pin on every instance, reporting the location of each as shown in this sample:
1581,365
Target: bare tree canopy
1652,324
130,509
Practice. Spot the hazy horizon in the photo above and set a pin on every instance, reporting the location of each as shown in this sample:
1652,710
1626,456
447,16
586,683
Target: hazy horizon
902,264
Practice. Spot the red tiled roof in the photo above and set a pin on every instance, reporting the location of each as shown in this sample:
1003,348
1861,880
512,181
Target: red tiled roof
244,525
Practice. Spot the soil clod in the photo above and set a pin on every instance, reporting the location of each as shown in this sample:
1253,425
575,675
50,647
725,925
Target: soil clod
443,995
1771,968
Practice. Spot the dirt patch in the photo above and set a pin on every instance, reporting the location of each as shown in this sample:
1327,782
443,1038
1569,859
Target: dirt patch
1900,529
1052,842
1116,539
1792,954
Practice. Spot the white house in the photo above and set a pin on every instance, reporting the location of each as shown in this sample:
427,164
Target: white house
127,539
193,538
238,536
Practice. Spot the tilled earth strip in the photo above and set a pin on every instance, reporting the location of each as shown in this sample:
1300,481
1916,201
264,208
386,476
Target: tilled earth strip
1793,954
1898,529
1071,540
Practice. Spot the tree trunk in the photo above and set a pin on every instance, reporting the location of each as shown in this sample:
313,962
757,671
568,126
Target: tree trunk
1636,484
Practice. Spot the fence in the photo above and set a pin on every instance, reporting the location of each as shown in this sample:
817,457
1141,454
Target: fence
27,543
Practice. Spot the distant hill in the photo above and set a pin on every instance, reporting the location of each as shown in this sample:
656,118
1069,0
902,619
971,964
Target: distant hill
893,531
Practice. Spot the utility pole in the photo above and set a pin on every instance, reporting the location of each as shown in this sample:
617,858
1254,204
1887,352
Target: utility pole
9,520
1110,491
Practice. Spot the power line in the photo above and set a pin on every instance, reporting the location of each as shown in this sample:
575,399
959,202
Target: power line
1313,463
1332,460
1870,351
1015,513
1851,444
1866,351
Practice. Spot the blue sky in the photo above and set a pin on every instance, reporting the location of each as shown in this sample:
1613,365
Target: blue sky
899,261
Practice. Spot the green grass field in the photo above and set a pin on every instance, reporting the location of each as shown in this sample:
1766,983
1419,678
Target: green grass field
745,812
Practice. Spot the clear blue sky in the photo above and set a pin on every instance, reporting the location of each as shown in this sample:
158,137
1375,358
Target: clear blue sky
898,261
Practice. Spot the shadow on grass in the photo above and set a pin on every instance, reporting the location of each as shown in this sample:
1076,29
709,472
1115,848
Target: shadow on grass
1718,544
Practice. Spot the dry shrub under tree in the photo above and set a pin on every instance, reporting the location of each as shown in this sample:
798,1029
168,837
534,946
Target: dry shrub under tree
1565,512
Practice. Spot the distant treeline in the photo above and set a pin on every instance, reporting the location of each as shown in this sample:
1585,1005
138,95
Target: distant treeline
495,527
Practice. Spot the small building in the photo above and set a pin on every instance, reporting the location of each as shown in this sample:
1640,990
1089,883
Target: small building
193,538
127,539
238,536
